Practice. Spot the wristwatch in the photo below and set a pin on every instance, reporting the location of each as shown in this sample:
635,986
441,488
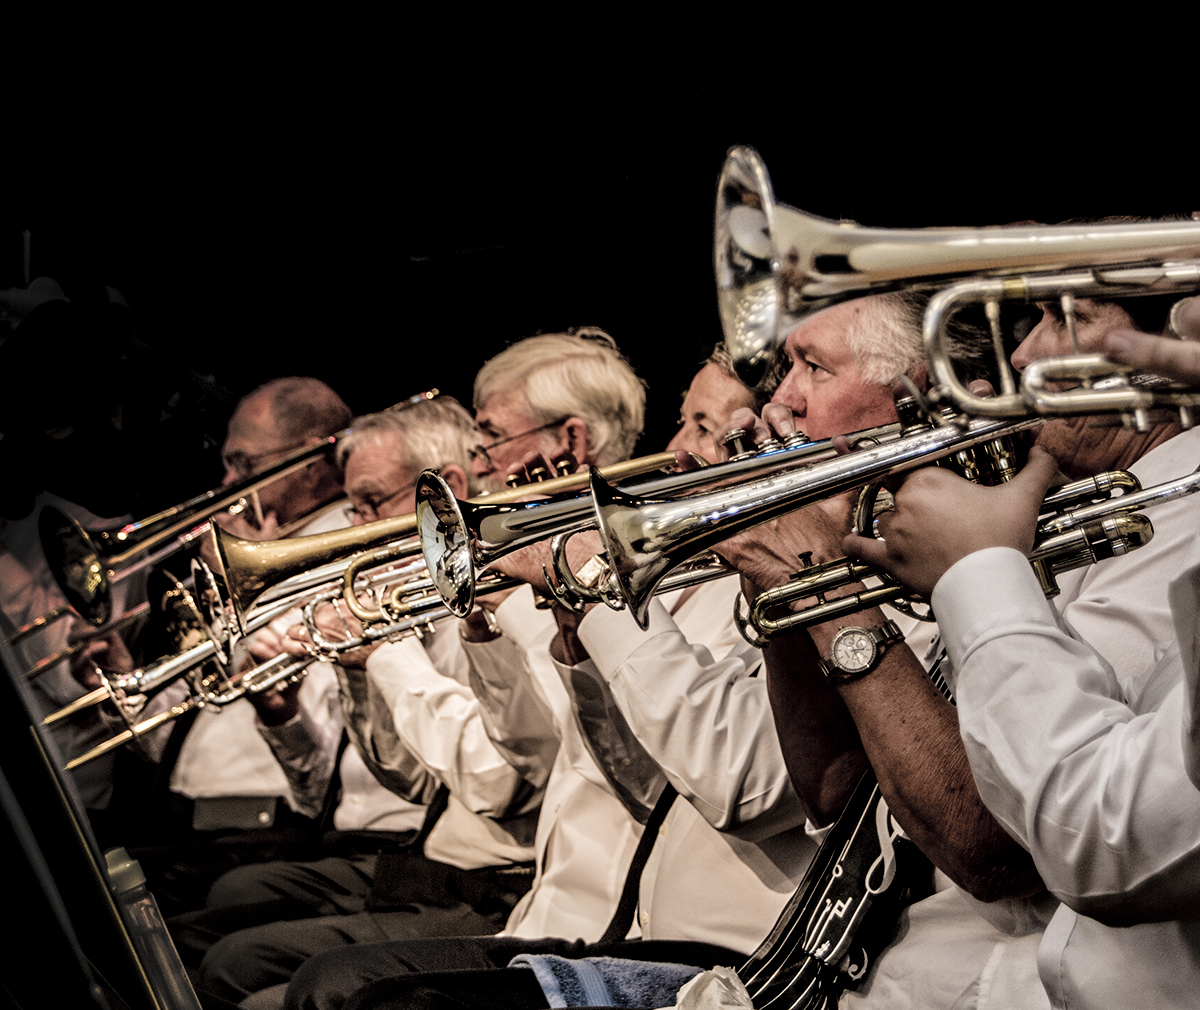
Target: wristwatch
855,652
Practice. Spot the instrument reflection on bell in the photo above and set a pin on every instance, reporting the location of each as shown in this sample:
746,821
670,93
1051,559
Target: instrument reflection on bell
85,564
775,264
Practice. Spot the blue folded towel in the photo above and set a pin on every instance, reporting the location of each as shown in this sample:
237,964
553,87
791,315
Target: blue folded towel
606,981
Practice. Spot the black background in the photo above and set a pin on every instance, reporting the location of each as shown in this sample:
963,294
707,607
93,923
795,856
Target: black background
388,231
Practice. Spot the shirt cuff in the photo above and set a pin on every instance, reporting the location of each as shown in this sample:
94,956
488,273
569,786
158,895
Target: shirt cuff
984,591
293,740
611,637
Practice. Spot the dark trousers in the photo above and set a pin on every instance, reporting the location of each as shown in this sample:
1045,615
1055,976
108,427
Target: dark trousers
462,971
331,903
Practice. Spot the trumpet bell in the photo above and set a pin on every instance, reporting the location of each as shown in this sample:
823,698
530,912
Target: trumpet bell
445,543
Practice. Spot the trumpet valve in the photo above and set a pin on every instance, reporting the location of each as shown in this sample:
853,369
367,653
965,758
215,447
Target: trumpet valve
795,439
737,441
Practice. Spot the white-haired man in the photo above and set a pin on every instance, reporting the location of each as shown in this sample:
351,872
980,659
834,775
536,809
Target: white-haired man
415,725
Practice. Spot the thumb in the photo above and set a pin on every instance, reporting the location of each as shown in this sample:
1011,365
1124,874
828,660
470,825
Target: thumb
1039,471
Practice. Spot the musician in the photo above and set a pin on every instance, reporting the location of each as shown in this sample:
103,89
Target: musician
416,728
647,709
225,781
911,737
1088,758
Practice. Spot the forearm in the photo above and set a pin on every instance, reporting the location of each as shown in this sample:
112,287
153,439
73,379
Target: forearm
911,738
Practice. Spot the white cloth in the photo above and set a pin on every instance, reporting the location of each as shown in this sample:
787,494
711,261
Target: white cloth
585,837
1059,711
733,847
1095,787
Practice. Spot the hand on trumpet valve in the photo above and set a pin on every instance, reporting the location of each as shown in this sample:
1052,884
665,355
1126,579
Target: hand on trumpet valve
334,624
940,518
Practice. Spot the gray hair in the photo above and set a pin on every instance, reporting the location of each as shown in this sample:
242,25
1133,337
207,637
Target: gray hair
303,406
432,434
577,374
885,337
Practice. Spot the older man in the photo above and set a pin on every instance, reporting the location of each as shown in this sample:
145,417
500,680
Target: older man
911,740
1083,744
225,780
416,728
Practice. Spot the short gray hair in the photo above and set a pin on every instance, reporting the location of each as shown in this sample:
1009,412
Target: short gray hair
576,374
885,337
433,434
770,381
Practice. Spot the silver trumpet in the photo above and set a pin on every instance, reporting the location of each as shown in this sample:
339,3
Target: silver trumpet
458,538
775,265
646,539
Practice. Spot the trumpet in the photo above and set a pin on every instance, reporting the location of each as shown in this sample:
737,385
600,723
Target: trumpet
85,565
1083,522
645,539
457,538
775,265
252,568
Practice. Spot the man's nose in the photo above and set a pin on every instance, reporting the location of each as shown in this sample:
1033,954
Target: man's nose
1036,345
790,394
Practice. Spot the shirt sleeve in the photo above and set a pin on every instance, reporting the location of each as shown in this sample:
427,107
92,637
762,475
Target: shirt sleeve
439,721
307,751
705,721
517,716
1095,790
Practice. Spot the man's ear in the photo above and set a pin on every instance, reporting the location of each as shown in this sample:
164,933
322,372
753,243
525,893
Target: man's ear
456,479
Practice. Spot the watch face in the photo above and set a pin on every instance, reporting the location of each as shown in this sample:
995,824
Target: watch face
853,650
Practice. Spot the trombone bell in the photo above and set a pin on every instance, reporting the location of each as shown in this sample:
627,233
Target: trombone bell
775,265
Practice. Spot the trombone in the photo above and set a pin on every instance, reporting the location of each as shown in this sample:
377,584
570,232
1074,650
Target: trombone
775,265
85,565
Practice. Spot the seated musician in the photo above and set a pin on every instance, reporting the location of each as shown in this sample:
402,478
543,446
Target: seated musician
414,723
688,715
1085,753
890,717
224,781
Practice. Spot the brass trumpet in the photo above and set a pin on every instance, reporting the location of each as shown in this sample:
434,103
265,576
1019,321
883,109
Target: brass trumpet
775,265
646,539
458,540
1082,522
253,567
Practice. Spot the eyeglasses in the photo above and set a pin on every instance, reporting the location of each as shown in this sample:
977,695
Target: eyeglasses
245,465
481,452
368,511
